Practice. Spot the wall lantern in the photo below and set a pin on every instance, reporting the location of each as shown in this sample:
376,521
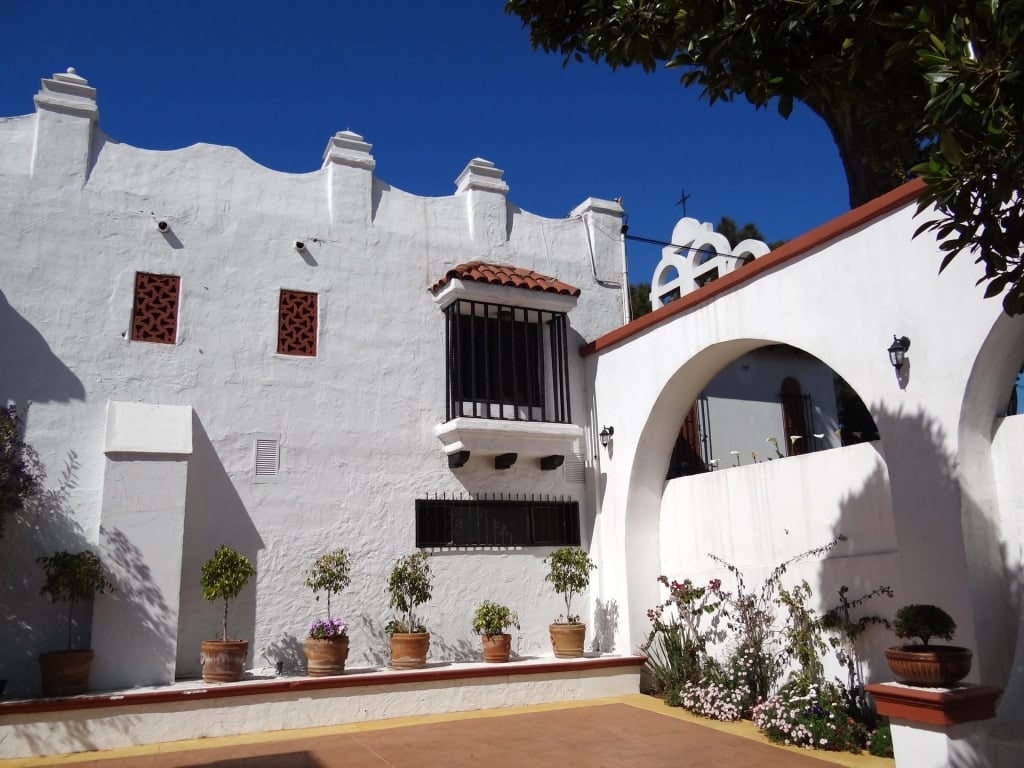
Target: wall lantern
606,435
898,351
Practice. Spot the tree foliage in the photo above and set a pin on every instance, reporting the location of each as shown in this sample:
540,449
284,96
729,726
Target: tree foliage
21,474
931,88
409,586
72,578
569,574
330,573
223,577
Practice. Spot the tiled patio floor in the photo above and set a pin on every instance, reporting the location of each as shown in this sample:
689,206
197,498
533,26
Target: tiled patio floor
631,731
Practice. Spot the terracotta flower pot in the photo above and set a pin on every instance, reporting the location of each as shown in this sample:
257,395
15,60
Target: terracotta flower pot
326,657
929,666
409,649
567,640
65,673
223,660
497,648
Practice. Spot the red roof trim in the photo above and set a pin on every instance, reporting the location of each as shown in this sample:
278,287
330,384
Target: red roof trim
500,274
792,250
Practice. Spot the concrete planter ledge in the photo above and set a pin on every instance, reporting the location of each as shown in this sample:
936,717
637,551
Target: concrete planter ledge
935,706
192,709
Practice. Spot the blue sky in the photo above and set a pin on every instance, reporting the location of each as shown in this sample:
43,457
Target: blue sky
430,85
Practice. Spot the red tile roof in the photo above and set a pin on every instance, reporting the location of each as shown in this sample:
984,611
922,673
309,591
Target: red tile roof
499,274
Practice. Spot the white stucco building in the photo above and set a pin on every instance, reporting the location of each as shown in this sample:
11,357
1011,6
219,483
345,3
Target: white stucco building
217,353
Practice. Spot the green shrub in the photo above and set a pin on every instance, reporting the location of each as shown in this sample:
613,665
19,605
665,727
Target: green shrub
73,578
223,577
923,622
409,587
493,618
569,573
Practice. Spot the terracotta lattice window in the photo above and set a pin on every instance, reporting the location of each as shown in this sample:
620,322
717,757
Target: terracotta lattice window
155,311
297,324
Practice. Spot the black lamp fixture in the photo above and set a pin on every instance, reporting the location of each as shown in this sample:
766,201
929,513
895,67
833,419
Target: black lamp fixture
606,435
898,351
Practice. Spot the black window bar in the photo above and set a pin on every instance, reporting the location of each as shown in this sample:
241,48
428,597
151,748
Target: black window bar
502,521
506,362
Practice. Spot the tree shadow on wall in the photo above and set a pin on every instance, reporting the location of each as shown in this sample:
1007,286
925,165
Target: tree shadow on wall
141,604
214,515
936,518
288,653
31,623
34,372
606,624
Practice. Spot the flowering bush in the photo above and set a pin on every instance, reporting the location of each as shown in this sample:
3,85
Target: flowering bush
808,714
676,646
722,693
880,741
328,629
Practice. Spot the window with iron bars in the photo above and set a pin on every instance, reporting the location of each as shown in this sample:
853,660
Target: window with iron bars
502,522
506,362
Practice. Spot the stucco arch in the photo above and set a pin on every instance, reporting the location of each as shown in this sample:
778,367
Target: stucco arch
992,534
646,486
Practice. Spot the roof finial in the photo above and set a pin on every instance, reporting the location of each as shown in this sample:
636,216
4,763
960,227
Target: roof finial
72,71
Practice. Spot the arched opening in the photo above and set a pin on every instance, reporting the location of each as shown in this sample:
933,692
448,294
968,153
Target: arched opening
705,254
743,415
721,410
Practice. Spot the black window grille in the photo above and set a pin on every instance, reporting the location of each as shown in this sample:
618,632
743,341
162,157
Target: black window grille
507,362
497,522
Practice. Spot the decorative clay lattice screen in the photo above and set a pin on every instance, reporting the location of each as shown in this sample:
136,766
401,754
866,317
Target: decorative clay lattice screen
297,324
155,312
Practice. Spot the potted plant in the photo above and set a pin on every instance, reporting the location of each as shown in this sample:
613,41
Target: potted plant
490,622
70,578
223,577
921,663
569,573
327,644
409,587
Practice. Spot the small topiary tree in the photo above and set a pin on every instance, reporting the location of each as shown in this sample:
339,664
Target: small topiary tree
569,573
73,578
223,577
330,573
409,586
923,622
494,618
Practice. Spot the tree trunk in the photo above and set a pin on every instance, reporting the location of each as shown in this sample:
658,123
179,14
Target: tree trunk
875,160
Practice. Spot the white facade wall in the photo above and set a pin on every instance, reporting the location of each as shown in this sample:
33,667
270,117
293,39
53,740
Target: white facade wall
355,424
951,521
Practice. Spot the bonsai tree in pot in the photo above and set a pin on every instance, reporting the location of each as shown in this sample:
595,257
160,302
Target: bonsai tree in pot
922,663
569,574
327,644
490,622
71,578
223,577
409,587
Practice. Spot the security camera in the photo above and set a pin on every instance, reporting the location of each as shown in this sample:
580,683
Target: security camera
299,245
163,226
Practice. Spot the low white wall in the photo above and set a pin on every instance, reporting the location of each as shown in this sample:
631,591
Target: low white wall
759,516
69,731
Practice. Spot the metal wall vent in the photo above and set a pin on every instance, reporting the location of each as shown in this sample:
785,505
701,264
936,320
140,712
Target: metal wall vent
268,459
575,468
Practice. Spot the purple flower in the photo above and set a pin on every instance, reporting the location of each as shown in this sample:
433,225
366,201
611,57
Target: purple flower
327,629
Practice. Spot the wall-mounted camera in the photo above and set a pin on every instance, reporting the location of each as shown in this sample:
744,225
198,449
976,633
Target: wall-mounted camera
300,245
163,226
